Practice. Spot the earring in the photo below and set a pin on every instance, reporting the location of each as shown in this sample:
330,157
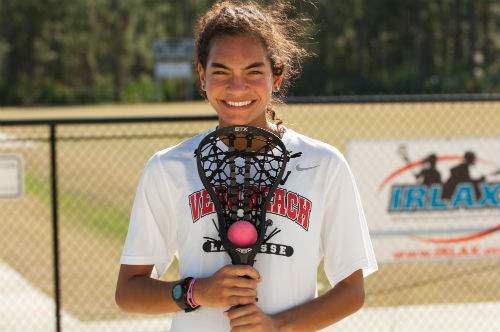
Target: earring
276,89
203,86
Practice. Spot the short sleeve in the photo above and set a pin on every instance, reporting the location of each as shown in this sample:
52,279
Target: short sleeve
345,239
151,237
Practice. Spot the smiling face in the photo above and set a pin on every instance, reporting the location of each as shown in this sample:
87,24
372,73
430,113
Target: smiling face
238,80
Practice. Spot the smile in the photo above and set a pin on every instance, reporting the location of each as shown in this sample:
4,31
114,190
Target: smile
238,103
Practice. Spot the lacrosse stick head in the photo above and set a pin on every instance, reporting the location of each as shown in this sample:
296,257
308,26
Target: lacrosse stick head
240,167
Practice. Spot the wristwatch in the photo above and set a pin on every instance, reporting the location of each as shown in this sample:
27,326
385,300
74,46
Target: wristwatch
180,293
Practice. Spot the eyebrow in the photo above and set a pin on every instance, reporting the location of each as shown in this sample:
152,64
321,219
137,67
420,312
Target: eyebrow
253,65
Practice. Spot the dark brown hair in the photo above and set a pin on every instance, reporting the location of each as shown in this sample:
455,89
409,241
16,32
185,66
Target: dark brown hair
270,24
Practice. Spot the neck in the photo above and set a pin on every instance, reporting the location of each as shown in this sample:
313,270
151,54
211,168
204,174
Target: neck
278,130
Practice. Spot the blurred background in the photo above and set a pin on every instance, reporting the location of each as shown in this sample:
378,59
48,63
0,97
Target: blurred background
80,52
89,90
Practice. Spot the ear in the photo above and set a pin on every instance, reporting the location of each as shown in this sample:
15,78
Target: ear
277,79
201,74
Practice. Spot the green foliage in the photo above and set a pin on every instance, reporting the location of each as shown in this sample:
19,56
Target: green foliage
87,51
139,90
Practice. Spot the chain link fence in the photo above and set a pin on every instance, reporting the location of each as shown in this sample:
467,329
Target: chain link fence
98,168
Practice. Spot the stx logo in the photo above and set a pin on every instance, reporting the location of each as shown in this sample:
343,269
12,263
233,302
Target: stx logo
284,203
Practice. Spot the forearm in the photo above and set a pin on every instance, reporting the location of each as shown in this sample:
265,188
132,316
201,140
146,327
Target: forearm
137,292
338,303
146,295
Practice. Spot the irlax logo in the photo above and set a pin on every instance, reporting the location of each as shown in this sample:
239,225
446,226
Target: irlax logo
431,192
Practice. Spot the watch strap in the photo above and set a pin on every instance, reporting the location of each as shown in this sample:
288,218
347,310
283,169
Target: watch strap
186,286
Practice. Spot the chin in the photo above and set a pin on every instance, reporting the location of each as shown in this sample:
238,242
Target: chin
236,121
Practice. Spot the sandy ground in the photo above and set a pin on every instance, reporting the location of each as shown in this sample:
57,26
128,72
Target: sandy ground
24,308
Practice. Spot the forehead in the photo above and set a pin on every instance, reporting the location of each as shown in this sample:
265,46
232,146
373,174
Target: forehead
237,50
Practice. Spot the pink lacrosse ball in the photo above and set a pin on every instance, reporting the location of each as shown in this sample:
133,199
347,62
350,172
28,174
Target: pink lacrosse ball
242,234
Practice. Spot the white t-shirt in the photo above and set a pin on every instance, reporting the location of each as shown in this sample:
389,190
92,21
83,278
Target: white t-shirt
318,211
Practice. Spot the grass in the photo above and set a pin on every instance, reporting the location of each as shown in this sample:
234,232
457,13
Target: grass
75,207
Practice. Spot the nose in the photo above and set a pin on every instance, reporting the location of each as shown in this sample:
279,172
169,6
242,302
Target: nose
237,83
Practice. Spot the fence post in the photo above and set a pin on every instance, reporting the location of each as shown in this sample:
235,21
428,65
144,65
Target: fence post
55,222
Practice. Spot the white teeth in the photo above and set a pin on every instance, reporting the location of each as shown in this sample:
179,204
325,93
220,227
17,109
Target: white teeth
239,104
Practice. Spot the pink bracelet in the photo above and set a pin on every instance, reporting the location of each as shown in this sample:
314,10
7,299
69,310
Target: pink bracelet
190,294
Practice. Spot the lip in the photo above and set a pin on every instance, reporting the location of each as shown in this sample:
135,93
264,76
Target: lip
237,108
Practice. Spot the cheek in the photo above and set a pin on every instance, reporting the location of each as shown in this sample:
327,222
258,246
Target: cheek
214,86
262,84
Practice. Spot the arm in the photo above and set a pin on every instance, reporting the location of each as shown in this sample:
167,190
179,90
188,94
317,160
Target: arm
137,292
339,302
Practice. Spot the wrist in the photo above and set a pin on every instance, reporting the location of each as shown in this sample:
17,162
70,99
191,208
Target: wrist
182,294
198,291
283,322
191,300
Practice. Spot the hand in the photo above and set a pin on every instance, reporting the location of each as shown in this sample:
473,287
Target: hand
250,318
231,285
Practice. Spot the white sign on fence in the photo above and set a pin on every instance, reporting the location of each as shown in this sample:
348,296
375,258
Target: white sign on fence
11,176
173,70
430,199
173,58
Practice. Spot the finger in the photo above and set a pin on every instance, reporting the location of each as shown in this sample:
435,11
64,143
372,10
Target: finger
242,300
243,320
243,283
245,328
240,311
237,291
244,270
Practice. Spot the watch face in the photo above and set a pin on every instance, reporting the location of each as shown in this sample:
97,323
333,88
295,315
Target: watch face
177,291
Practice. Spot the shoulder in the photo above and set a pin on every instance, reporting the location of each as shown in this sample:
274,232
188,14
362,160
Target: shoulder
176,155
184,149
313,149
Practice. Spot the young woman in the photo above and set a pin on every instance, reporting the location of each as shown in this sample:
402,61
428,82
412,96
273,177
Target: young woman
245,57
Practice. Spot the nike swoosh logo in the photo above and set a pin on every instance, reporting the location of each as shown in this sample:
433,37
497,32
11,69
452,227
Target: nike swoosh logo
300,169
